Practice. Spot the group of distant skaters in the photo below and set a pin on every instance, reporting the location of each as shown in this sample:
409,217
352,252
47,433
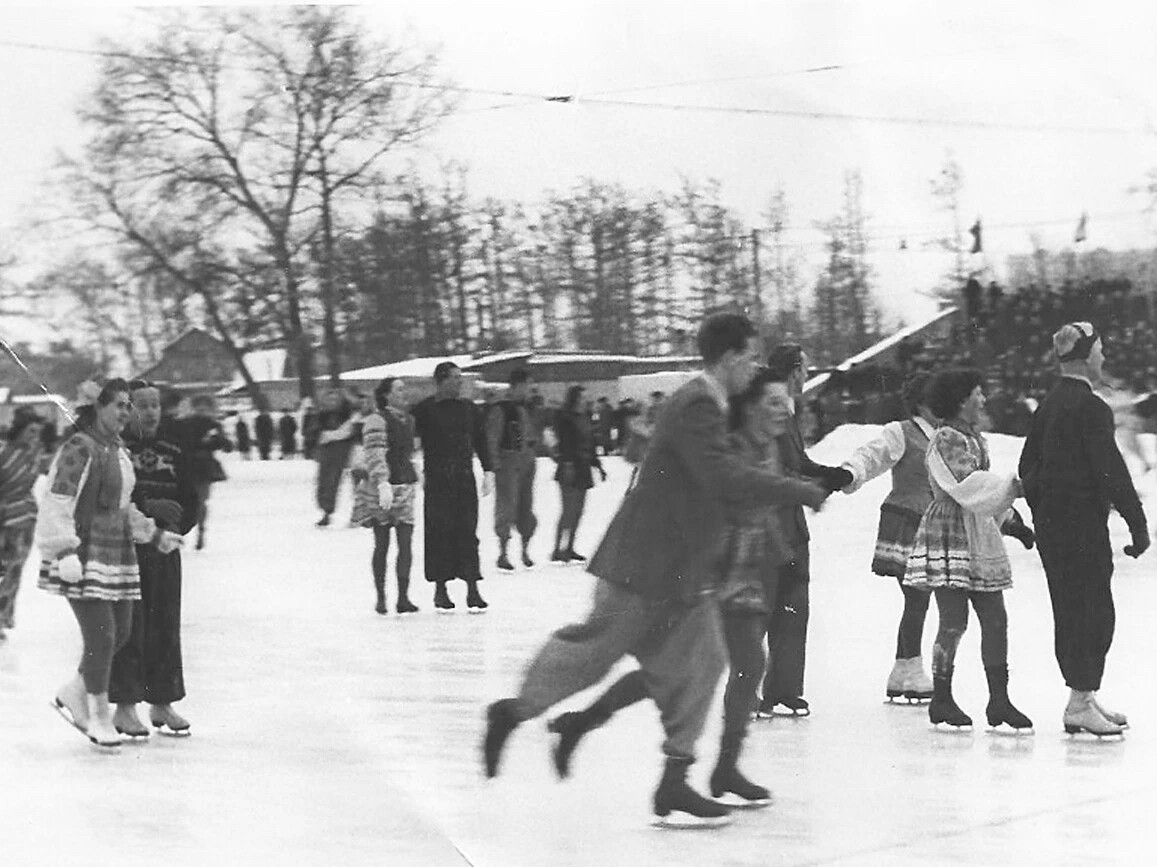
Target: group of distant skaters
127,483
705,564
453,432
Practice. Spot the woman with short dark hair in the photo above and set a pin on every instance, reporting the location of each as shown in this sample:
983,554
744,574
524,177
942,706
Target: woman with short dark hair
756,547
86,532
958,552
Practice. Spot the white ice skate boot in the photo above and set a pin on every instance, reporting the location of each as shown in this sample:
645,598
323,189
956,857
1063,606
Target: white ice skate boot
1081,715
1116,718
100,729
918,687
897,679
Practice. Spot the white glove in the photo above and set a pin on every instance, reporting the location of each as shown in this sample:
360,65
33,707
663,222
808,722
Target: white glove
487,484
168,542
71,570
385,495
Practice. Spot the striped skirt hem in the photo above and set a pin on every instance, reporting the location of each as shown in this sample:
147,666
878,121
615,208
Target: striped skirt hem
100,581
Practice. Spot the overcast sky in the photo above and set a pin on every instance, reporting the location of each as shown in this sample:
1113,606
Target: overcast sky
1048,107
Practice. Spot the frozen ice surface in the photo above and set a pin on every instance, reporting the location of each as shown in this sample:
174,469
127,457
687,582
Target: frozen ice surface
325,734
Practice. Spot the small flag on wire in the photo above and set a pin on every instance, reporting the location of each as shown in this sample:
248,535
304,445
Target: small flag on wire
977,243
1082,228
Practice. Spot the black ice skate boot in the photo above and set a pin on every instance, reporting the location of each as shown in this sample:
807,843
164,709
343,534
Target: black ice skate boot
504,561
570,727
405,606
474,599
1000,709
501,720
575,556
442,599
380,589
943,708
727,781
526,561
677,805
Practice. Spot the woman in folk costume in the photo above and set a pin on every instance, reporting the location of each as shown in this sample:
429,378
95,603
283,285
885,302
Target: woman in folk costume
385,496
20,465
86,532
756,548
958,552
900,448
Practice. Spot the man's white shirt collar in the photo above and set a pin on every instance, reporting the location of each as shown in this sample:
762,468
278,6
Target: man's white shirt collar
717,390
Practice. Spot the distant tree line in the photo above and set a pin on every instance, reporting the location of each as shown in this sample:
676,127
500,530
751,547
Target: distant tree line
244,170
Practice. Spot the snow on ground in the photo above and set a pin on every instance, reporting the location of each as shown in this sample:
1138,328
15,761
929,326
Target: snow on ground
326,734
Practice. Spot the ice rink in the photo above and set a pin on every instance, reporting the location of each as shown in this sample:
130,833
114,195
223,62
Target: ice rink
325,734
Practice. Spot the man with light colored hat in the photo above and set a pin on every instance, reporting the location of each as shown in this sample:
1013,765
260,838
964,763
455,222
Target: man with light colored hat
1073,472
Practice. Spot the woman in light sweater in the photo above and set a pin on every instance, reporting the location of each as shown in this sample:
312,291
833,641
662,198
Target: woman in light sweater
87,532
385,495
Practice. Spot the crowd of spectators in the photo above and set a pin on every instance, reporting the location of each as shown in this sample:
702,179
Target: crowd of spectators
1007,335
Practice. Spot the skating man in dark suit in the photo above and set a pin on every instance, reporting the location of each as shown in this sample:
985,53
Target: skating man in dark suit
657,565
787,631
452,433
1072,473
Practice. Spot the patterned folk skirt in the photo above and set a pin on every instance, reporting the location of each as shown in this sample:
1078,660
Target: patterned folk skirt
109,556
941,555
367,512
894,540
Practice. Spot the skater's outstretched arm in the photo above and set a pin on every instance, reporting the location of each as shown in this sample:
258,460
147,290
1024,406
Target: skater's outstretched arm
877,457
702,442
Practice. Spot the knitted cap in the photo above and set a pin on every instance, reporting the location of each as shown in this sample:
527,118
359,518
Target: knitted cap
1074,342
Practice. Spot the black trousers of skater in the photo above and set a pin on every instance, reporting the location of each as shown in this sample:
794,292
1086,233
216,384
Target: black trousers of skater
148,667
787,631
573,505
1073,541
331,462
451,521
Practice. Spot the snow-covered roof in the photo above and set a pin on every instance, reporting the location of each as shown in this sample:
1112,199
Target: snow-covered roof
264,365
409,367
571,357
874,350
32,399
472,362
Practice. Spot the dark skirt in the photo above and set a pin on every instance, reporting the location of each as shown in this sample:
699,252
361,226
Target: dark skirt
894,540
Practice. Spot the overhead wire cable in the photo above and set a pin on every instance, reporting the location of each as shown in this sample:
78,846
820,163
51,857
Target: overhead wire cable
820,68
756,111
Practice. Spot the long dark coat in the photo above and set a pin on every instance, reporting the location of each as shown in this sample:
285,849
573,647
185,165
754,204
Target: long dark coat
452,434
